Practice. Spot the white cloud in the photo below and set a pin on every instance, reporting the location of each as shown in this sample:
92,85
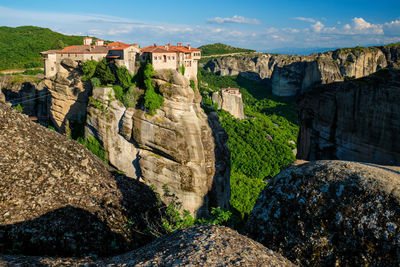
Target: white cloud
305,19
234,19
392,28
318,26
360,26
271,30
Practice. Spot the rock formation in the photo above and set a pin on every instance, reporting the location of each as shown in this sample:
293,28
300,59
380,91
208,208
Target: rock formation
331,213
357,120
231,102
57,198
175,147
195,246
288,75
69,95
31,93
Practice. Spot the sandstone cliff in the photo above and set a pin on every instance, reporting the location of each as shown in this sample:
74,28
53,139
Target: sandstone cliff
331,213
179,146
61,99
289,75
230,102
355,120
57,198
195,246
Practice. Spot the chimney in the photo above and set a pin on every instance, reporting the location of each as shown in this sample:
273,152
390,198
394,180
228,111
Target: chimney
166,47
155,45
189,46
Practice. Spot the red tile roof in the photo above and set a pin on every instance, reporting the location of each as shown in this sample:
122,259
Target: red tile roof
171,49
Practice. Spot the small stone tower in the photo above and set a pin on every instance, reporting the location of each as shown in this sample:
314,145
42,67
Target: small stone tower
87,40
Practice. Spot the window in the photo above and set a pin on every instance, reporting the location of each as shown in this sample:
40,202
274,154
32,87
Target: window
169,58
165,58
91,57
52,68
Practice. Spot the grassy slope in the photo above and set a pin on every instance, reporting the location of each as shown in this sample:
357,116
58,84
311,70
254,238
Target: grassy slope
20,47
218,49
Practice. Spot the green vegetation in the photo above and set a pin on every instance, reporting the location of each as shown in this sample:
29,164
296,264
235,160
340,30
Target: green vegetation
182,69
18,108
94,146
259,144
193,85
177,219
152,100
20,47
218,49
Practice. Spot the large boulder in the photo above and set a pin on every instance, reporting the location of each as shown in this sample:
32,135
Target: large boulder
57,198
331,213
195,246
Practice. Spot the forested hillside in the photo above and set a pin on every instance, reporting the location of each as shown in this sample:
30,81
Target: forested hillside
20,47
261,144
218,49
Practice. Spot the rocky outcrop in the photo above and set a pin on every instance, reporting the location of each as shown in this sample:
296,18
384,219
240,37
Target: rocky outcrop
175,147
331,213
69,95
57,198
29,92
195,246
356,120
230,102
289,75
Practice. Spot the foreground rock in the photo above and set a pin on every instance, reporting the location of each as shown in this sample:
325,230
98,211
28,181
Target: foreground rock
356,120
57,198
289,75
196,246
331,213
180,146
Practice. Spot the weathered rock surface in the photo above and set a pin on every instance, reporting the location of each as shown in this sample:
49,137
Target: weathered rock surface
57,198
69,95
232,103
331,213
356,120
289,75
195,246
176,146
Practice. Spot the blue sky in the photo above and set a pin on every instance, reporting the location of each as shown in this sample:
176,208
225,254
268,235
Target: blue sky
260,25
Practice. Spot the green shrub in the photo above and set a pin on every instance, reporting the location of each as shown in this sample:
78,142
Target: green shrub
193,85
95,82
218,48
182,69
124,77
152,100
130,98
119,93
94,146
89,68
18,108
105,73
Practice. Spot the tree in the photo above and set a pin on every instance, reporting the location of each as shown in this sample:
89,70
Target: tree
105,73
89,68
152,100
124,77
58,44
